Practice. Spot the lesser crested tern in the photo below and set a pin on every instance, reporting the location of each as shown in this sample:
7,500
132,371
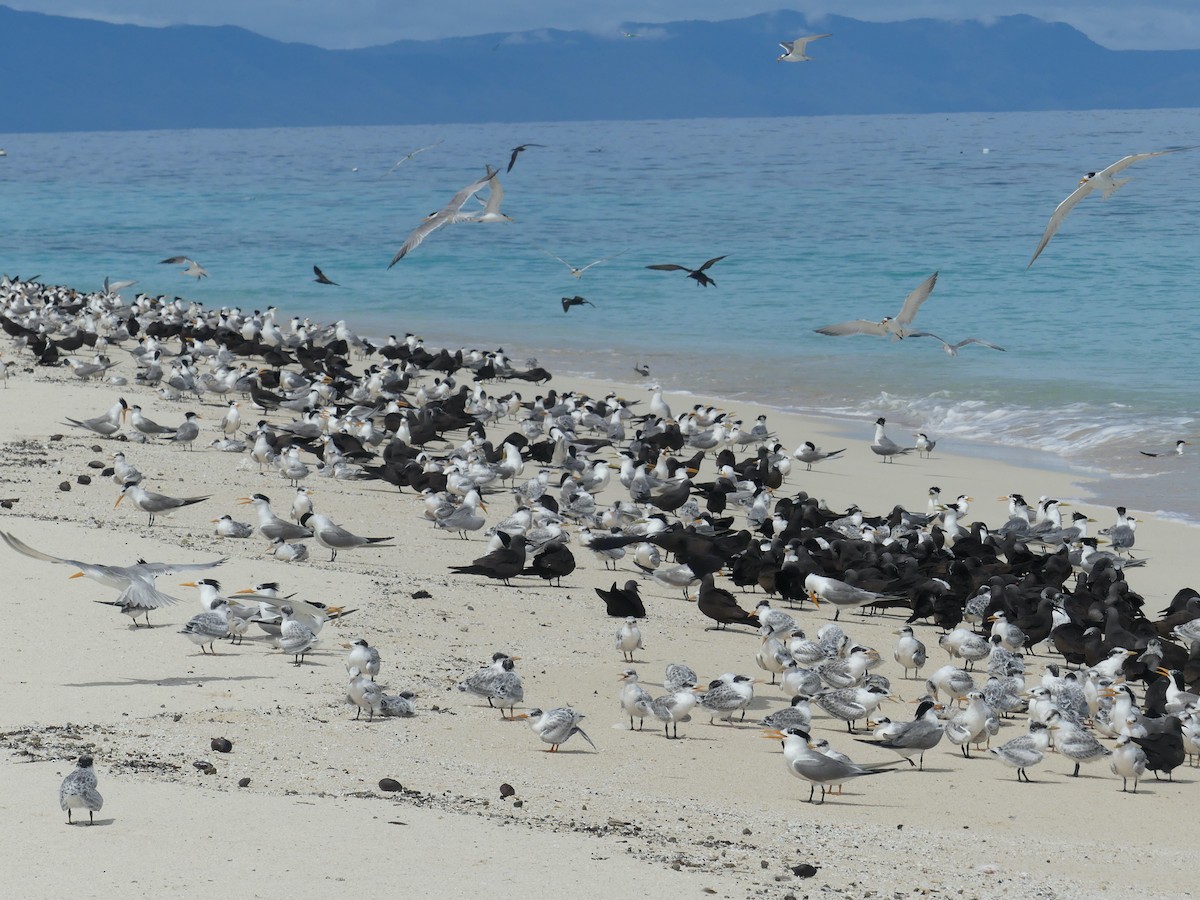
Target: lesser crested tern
193,268
895,327
819,769
578,271
952,349
809,453
451,212
155,504
796,51
1102,180
407,157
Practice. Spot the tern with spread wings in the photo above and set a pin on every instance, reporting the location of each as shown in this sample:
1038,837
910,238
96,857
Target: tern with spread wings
895,327
451,212
1092,181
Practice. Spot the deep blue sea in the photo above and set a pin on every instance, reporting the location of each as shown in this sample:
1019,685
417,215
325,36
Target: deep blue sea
820,219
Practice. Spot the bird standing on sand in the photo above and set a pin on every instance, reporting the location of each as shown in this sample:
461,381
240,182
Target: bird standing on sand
795,51
673,708
106,425
696,274
186,434
209,627
629,638
78,790
910,651
556,726
819,770
1102,180
884,446
721,606
635,700
923,733
295,637
1024,751
362,656
809,453
334,537
726,695
152,503
497,682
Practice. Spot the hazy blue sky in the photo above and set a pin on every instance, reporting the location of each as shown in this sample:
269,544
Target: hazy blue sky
1117,24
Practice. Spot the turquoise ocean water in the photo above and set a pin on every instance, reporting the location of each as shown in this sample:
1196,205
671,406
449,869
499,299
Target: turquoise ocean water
821,220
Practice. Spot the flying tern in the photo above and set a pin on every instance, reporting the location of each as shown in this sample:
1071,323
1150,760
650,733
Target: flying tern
1102,180
895,327
795,51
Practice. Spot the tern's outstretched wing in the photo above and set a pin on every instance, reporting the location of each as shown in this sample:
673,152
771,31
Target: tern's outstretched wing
913,301
857,326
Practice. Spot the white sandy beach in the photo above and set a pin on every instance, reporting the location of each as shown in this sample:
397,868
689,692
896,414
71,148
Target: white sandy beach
714,813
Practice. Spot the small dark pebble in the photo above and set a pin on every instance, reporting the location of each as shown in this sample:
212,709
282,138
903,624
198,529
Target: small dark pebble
96,464
6,504
506,790
64,485
764,864
84,479
390,784
96,448
221,745
747,831
205,766
56,437
421,595
804,870
107,472
517,804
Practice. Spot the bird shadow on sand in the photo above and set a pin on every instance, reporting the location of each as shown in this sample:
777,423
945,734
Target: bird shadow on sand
166,682
94,824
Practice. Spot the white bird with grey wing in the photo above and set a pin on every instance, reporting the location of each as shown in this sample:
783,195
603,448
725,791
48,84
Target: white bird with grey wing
556,726
1091,182
895,327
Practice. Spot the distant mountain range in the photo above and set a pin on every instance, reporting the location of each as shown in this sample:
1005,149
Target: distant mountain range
62,74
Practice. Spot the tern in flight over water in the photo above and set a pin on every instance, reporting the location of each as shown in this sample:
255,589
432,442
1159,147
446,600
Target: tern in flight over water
896,326
1092,181
795,51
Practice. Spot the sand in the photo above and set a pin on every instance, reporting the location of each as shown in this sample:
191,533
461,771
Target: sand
712,814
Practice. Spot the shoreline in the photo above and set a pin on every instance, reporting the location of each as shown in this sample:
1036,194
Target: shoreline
715,811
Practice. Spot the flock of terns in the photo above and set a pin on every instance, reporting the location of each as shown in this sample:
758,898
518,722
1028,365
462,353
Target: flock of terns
997,592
